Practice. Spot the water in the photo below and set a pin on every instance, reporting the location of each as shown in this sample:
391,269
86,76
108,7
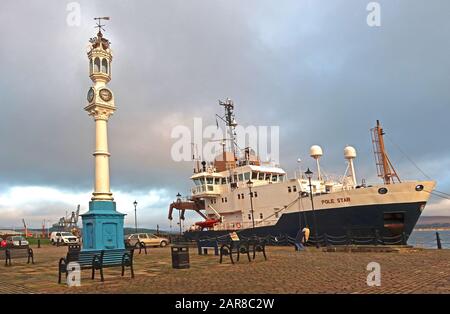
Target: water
427,239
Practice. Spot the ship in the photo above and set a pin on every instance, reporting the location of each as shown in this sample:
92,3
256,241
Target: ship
237,192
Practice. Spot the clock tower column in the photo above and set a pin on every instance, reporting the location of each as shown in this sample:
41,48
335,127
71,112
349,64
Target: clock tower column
100,107
102,224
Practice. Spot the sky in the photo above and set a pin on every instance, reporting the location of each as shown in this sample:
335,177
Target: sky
314,68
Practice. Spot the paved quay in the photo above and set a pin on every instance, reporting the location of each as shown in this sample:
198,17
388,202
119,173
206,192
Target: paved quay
285,271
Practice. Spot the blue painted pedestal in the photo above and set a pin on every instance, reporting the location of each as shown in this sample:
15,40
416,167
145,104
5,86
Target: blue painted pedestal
102,227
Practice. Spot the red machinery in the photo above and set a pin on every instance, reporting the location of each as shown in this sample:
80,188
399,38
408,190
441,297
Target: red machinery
208,223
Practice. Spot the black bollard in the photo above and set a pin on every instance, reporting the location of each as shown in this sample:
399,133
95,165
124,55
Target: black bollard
39,243
438,241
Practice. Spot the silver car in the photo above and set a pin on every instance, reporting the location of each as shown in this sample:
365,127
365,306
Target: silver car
16,241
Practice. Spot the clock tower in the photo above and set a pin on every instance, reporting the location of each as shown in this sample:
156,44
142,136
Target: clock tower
102,224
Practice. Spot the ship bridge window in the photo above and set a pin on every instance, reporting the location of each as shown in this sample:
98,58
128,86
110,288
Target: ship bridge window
254,175
261,176
210,180
241,177
281,177
217,181
274,178
267,176
247,176
196,181
224,180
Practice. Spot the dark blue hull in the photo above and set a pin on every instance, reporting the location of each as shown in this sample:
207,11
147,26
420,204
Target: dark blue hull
369,221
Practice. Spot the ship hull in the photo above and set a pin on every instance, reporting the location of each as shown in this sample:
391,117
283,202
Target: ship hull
366,221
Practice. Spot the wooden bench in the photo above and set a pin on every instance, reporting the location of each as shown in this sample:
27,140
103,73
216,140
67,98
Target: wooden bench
138,245
16,253
204,244
229,247
2,253
258,245
97,260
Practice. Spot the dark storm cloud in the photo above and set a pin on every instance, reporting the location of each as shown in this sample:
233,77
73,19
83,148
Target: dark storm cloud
312,67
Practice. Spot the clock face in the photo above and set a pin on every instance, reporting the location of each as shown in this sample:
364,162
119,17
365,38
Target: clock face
105,94
90,95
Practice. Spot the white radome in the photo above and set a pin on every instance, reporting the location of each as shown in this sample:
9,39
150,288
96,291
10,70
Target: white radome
315,151
349,152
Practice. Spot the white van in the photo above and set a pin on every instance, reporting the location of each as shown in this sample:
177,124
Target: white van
64,238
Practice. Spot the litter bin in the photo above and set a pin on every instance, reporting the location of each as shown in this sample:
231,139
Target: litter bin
180,256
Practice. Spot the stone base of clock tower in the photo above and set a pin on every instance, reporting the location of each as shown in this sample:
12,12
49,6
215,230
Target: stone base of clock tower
102,227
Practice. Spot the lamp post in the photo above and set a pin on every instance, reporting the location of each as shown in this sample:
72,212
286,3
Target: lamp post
179,212
135,217
309,174
250,185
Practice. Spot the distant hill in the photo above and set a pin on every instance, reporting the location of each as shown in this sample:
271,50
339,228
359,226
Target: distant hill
126,230
433,222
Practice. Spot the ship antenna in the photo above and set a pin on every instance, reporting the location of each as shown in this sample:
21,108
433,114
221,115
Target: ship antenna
230,122
385,169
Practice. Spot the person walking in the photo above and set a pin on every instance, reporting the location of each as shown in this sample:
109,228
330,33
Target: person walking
306,233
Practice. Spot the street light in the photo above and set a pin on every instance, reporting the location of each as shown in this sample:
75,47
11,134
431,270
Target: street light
179,212
135,217
250,185
309,174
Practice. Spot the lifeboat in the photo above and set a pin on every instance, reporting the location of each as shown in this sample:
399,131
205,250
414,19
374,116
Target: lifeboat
208,223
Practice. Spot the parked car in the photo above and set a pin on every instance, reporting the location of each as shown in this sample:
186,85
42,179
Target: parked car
16,241
148,238
63,237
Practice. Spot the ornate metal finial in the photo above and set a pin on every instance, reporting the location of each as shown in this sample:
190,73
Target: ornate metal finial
99,40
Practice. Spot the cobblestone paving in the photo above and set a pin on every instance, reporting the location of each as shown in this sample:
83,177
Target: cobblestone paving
286,271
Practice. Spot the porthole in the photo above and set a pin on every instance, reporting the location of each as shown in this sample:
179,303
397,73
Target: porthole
419,187
382,190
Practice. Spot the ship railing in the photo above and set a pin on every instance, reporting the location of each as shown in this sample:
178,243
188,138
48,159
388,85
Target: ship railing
348,239
342,240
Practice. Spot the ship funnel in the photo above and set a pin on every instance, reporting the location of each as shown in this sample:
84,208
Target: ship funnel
316,152
350,154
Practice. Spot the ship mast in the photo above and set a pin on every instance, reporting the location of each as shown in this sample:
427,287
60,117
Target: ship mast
385,169
230,122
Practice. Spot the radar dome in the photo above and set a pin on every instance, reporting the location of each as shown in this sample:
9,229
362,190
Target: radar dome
349,152
315,151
